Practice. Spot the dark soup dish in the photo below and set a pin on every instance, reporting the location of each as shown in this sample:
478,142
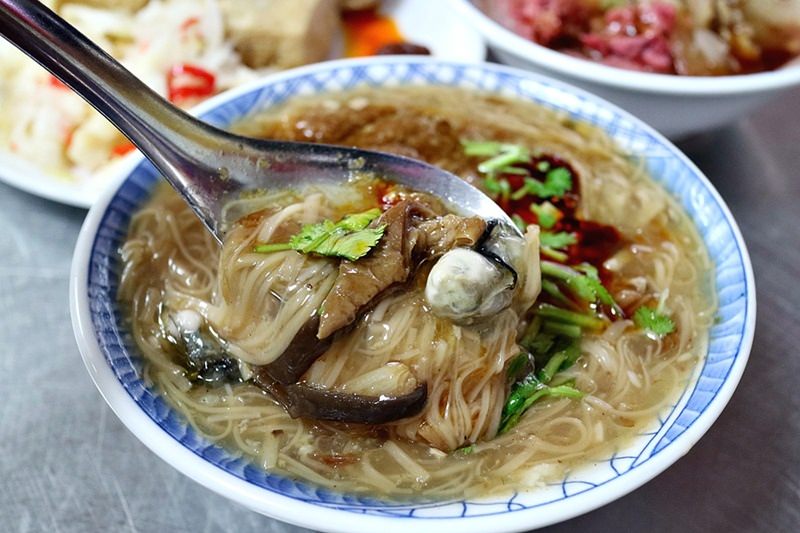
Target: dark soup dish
686,37
371,338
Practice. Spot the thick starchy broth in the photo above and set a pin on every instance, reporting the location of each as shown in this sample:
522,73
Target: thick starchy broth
451,447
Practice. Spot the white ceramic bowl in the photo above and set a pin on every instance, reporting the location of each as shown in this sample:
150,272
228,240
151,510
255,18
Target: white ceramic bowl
677,106
115,364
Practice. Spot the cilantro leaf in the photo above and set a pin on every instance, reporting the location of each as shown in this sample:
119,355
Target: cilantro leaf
653,322
559,240
583,281
350,238
558,182
554,354
603,296
525,394
497,187
358,221
585,288
350,246
547,214
311,236
502,160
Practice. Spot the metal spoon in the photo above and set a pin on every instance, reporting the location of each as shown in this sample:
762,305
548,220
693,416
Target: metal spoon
206,165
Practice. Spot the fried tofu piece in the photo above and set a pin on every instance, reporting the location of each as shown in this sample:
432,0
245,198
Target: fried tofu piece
281,33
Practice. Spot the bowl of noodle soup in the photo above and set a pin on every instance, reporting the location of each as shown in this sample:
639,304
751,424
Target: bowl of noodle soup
483,471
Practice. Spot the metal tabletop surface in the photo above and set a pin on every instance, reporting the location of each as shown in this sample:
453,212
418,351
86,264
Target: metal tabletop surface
68,465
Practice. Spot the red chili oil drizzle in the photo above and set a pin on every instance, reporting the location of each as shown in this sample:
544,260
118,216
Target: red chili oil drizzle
384,193
596,242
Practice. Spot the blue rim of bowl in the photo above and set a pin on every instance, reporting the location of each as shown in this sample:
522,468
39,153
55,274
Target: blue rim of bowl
730,338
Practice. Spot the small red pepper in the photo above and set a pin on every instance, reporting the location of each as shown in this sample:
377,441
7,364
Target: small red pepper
57,83
122,149
189,82
188,23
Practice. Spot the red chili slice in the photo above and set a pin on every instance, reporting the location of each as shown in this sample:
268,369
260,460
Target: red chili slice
189,82
122,149
57,83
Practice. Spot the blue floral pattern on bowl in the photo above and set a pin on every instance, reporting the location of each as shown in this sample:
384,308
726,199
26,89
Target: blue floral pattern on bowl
665,164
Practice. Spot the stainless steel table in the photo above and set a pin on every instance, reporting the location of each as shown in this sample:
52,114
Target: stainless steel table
67,464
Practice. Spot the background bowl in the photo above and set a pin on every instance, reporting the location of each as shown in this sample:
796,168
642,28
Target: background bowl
677,106
115,364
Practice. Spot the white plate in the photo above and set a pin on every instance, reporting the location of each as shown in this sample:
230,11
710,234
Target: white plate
420,21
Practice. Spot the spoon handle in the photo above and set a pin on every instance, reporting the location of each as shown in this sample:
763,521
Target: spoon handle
173,140
204,164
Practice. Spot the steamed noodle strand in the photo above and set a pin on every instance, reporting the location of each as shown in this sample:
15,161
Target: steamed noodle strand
259,302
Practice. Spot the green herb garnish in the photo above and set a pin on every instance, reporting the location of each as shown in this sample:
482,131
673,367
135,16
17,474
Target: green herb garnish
589,290
559,328
483,148
547,214
502,160
653,321
556,354
525,394
557,183
350,238
551,288
517,365
557,241
531,332
563,358
497,188
555,255
583,281
541,344
502,156
582,320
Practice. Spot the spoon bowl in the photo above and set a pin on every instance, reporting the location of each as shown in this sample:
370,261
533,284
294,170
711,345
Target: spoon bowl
206,165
